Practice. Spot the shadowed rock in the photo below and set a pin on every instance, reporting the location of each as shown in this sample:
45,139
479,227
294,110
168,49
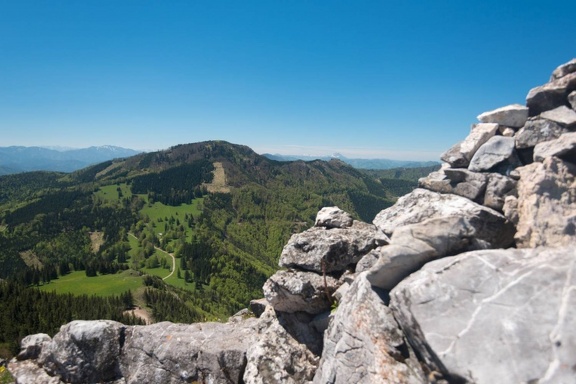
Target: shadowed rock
363,343
459,155
498,151
330,250
550,95
537,131
298,291
563,115
564,147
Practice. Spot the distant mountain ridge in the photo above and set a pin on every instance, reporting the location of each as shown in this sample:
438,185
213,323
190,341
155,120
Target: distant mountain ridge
357,163
16,159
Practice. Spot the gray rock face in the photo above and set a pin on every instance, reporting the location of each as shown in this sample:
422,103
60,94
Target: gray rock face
297,291
459,155
84,352
572,99
563,115
537,131
550,95
564,147
414,245
497,189
107,351
461,182
277,357
29,372
494,316
514,116
421,204
546,204
363,343
31,345
332,250
215,352
563,70
497,150
333,217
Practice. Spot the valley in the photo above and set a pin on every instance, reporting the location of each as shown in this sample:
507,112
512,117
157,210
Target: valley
190,233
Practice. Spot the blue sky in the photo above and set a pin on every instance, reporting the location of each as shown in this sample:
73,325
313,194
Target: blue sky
395,79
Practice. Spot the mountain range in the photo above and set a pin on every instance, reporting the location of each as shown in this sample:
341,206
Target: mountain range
358,163
16,159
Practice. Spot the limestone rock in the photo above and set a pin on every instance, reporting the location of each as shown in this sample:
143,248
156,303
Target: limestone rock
258,306
215,352
550,95
459,155
29,372
107,351
298,291
84,352
421,204
368,261
506,131
277,357
363,343
499,150
494,316
414,245
564,147
572,99
330,249
333,217
537,131
562,115
546,204
31,346
497,188
514,116
563,70
458,181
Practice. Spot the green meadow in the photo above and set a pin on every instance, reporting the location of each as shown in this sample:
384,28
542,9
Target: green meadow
78,283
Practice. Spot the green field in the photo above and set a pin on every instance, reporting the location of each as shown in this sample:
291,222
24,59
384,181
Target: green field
112,192
78,283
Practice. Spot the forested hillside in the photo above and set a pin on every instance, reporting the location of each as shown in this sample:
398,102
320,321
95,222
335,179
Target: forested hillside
62,231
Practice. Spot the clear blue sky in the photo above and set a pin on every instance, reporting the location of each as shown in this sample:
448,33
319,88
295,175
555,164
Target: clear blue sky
395,79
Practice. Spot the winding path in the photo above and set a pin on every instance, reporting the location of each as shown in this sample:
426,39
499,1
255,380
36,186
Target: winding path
169,254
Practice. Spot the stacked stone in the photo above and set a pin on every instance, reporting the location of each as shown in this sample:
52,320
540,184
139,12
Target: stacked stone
426,294
487,314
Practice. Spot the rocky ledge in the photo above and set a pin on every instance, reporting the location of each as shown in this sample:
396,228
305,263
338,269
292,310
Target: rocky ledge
471,278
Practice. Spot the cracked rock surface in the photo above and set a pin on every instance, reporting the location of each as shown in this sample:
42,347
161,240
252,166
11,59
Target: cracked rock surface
494,316
364,344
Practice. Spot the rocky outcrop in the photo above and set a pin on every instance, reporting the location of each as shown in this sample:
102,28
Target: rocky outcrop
323,250
494,316
279,357
468,279
546,204
364,344
299,291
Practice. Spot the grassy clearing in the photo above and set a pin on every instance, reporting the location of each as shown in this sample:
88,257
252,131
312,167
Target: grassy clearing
114,192
78,283
160,211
